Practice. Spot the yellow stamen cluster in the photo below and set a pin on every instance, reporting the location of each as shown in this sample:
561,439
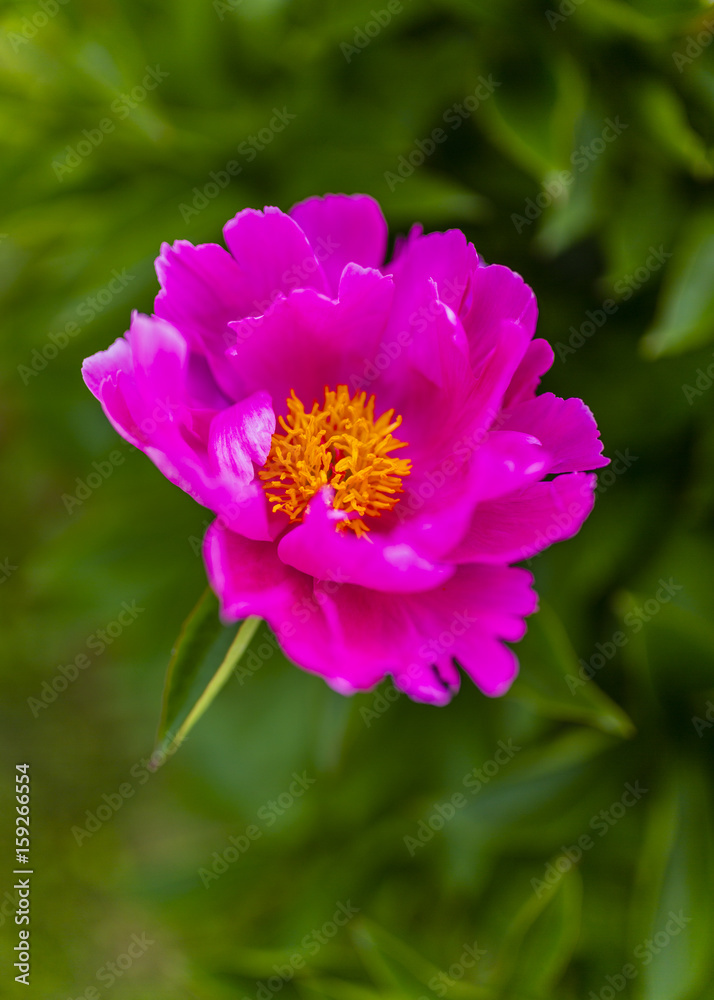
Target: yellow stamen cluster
340,445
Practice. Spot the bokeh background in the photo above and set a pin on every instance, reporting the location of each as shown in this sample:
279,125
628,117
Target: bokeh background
634,224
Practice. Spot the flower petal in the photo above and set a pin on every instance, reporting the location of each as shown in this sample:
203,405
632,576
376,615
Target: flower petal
103,374
437,508
566,427
413,636
249,579
515,527
446,259
241,435
307,341
318,548
160,356
274,255
202,288
497,297
536,361
343,229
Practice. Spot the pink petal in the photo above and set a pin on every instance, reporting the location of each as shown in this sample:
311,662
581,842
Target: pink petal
202,289
160,355
497,297
241,435
318,548
507,461
101,373
343,229
446,259
566,428
354,636
438,505
536,361
491,666
274,255
307,341
413,636
515,527
249,579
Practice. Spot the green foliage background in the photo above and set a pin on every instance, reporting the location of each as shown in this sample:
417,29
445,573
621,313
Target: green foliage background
643,718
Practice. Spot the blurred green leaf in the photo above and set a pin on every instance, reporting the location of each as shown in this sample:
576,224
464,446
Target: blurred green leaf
195,640
664,113
541,939
192,679
551,682
674,922
395,964
685,311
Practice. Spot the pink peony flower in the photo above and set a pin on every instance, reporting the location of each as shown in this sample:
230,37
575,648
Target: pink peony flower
369,436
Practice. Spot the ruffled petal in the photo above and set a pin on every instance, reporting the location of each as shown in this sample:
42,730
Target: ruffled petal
307,341
515,527
317,547
497,297
567,429
343,229
536,361
241,435
273,254
446,259
414,636
249,579
103,374
202,289
160,357
436,512
354,636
